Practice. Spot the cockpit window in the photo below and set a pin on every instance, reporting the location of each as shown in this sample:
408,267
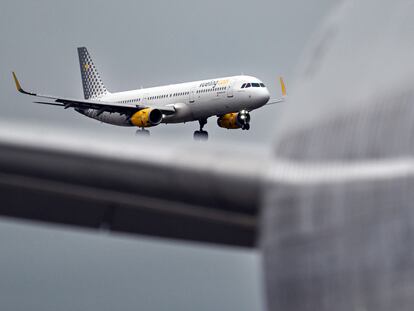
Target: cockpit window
255,84
248,85
243,86
262,85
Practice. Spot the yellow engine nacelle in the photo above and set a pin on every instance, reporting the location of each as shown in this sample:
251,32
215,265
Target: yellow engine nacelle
234,120
228,121
146,117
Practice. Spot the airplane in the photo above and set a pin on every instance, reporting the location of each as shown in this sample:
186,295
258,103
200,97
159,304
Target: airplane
231,99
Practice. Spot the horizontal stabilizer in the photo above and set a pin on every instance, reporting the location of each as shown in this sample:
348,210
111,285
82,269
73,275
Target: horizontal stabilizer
47,103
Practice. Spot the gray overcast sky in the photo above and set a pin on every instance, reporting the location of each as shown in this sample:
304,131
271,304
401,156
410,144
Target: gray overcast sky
138,43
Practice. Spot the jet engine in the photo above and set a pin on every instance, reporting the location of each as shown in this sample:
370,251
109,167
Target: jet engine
146,117
235,120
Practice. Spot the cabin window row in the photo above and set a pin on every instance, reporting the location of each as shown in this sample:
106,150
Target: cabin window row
170,95
156,97
129,101
211,90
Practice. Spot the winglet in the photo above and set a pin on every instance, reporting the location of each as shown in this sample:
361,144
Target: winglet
283,87
19,87
16,81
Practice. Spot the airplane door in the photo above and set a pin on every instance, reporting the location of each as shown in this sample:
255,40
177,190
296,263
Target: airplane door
230,90
192,95
145,99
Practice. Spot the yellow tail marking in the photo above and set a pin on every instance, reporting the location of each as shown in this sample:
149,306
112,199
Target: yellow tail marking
18,87
282,85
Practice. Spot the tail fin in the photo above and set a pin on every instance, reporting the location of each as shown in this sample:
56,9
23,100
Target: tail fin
91,81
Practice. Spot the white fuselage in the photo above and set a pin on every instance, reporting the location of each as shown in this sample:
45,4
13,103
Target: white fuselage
192,101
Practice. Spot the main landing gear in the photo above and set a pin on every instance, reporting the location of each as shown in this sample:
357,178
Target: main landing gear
201,135
246,127
142,132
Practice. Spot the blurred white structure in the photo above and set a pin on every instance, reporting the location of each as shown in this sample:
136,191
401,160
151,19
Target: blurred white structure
337,222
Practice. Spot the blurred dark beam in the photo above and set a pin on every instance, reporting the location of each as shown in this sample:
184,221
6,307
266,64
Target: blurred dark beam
178,196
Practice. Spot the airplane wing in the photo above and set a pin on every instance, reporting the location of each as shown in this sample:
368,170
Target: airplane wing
276,101
85,103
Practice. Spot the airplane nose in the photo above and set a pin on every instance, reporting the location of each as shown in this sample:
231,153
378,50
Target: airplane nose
266,94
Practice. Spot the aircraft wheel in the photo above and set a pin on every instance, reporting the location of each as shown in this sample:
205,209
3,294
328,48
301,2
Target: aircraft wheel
200,135
246,127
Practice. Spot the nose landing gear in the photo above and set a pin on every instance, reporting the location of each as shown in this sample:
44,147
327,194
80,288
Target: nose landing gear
243,118
201,135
